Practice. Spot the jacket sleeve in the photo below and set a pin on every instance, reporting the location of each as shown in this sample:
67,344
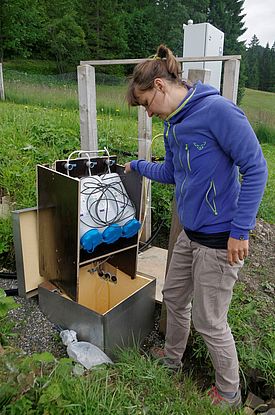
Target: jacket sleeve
236,137
160,172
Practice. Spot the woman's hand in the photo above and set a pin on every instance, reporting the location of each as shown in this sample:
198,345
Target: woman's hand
127,168
236,250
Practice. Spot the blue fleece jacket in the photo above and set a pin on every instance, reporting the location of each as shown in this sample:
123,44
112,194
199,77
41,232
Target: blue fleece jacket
208,141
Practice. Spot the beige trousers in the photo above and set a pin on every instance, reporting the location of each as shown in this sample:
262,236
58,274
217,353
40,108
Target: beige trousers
201,276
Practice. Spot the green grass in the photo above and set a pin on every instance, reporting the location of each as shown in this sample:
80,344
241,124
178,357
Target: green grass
267,207
135,385
31,66
39,124
259,106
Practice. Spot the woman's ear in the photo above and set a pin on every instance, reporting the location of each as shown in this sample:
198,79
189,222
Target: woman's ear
159,84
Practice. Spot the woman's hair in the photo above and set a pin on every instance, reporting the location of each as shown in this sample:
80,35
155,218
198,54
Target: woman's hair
162,65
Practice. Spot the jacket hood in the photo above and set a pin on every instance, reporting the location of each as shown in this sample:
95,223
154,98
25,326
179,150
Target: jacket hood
198,92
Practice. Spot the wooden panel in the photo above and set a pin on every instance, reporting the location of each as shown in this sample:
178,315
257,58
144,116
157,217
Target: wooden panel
58,229
99,295
26,251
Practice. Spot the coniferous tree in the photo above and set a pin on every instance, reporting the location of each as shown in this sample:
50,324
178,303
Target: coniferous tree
266,70
103,24
227,15
253,63
141,26
272,75
174,14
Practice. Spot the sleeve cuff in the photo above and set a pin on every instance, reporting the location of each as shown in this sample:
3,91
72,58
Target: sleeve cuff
239,234
133,165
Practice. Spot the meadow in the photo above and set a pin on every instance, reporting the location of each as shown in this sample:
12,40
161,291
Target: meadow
39,124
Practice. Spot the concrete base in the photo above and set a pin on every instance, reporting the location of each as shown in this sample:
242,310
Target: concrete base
153,263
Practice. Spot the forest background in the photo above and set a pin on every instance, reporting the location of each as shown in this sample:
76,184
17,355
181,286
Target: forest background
67,31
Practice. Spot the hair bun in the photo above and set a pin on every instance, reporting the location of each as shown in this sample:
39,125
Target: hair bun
162,52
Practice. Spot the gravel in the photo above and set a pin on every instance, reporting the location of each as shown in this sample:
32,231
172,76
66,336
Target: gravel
33,332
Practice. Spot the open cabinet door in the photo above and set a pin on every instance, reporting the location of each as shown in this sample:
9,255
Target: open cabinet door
58,229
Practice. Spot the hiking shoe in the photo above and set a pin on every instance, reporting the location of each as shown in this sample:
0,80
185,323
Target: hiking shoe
159,354
224,402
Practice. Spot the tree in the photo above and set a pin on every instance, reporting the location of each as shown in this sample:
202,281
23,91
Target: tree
141,28
253,63
227,15
20,27
266,70
103,24
66,41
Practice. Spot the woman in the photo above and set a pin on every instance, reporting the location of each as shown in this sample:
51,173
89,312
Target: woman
208,141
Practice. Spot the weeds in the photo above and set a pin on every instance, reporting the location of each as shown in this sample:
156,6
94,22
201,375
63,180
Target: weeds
6,304
46,128
135,385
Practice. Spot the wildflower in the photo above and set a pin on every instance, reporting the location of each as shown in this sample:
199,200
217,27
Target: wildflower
117,109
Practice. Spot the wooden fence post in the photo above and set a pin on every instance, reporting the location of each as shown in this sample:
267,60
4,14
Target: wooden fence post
145,152
87,107
2,93
202,75
231,79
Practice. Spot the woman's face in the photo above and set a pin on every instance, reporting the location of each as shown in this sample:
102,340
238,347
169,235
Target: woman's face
154,101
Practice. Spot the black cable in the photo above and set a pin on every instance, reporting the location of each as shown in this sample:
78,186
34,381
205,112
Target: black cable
8,275
107,193
150,240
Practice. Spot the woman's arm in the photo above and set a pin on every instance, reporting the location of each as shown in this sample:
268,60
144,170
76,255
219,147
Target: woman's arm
160,172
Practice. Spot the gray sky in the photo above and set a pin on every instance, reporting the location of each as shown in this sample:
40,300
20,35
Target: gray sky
259,20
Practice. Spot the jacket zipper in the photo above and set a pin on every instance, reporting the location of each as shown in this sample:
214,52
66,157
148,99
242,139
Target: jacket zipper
167,131
188,156
175,137
213,205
